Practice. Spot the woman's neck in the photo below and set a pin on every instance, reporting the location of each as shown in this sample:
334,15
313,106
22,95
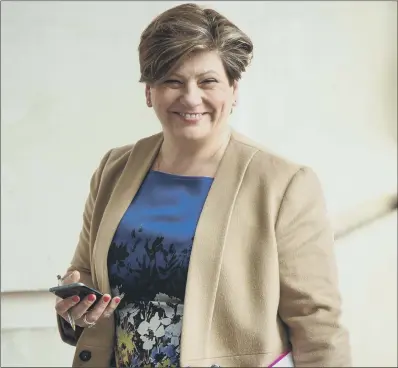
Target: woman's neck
200,158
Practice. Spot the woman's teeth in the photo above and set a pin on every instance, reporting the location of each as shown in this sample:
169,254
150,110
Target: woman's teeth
191,116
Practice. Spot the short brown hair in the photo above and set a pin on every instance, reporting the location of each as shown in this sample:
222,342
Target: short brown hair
188,28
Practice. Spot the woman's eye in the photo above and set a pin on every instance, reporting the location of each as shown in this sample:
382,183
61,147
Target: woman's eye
172,81
207,81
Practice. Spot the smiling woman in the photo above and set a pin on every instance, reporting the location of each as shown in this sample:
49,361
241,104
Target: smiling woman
222,251
194,102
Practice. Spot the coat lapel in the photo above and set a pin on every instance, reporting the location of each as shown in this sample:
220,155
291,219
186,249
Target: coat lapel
207,251
138,164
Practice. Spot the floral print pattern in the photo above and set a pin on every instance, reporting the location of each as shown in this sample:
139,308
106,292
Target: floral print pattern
148,331
149,334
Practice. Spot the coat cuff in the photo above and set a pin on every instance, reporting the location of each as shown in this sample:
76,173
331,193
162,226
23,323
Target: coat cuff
66,332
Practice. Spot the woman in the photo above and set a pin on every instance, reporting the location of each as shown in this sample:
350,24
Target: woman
251,226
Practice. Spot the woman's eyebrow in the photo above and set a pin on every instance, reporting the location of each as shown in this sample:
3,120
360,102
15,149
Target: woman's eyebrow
197,75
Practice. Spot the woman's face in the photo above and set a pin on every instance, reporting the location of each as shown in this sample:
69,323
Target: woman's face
194,103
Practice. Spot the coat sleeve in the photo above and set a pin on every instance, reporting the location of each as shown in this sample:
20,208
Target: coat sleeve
82,257
310,302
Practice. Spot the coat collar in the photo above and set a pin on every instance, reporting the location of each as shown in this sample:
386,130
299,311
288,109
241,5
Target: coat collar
209,241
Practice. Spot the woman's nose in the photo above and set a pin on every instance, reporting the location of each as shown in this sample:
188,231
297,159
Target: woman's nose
192,96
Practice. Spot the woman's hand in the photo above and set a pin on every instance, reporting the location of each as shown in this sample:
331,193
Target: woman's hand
78,308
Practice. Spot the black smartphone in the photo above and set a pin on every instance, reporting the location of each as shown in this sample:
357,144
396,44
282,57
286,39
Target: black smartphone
78,288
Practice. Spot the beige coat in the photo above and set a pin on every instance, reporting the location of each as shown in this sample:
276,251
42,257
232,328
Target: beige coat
262,270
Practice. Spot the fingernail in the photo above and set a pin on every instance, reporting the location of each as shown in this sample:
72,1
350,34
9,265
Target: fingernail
75,299
106,298
117,300
91,297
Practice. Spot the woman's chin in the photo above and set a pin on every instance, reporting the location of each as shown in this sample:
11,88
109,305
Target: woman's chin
192,132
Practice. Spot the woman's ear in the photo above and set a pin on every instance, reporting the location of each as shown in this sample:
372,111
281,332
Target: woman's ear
148,95
235,87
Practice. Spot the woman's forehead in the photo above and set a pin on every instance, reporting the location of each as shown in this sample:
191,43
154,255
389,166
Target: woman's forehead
199,64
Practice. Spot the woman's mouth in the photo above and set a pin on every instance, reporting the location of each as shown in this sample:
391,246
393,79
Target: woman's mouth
190,117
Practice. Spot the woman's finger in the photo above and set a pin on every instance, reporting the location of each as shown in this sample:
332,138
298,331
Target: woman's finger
111,307
70,277
64,305
81,308
99,308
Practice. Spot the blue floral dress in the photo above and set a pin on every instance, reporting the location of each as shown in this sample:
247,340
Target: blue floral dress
148,263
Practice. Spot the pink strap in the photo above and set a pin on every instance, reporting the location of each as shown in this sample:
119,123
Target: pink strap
280,357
